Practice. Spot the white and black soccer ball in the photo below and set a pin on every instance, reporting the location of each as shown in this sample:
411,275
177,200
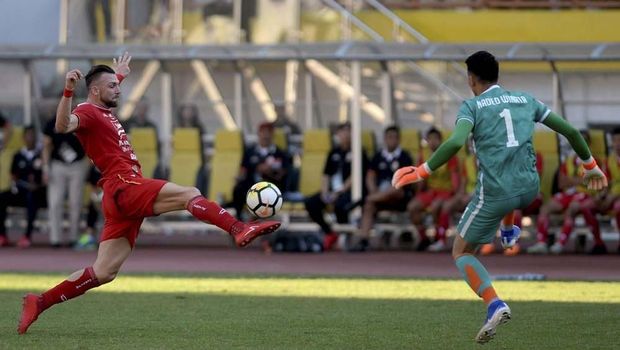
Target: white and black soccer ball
264,199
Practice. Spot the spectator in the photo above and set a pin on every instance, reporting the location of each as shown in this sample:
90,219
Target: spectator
187,117
140,117
5,135
263,161
458,202
27,188
88,239
284,122
610,202
573,199
335,186
5,132
381,194
433,193
64,170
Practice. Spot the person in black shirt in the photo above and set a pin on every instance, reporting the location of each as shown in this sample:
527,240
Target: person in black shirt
381,194
335,186
27,188
64,169
261,162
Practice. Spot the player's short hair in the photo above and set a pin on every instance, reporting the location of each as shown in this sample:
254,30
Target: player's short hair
95,72
616,131
483,65
342,126
29,127
393,128
433,130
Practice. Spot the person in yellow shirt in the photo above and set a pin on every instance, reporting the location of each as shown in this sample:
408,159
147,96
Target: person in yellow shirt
610,203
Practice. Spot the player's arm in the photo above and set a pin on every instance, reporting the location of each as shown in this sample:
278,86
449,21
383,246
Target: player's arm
65,121
593,175
442,155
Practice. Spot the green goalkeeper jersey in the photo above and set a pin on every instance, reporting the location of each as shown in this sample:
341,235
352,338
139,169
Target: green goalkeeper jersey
503,124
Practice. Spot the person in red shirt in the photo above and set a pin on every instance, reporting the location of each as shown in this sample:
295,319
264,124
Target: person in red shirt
434,192
574,199
128,197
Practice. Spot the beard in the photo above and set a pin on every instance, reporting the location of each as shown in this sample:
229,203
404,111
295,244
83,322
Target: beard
110,103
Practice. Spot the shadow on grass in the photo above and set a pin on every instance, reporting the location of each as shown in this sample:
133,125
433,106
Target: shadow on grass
195,321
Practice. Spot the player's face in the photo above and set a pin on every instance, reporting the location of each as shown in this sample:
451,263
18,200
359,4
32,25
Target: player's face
344,136
391,140
265,136
30,139
615,140
434,141
107,89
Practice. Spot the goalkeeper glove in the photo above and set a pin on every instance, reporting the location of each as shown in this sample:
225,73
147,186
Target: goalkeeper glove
410,174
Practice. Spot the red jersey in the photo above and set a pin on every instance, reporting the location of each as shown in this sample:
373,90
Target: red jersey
105,141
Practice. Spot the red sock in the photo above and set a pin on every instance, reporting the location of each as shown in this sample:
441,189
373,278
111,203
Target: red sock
70,289
617,212
567,228
422,232
210,212
518,218
443,225
543,228
590,219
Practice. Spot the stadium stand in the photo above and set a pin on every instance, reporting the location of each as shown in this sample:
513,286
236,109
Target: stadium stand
228,150
186,157
144,142
546,142
6,157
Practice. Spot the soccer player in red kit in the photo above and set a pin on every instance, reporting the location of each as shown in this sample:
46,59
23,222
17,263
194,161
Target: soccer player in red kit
128,197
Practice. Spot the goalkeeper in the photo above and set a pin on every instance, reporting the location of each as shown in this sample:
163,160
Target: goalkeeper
502,123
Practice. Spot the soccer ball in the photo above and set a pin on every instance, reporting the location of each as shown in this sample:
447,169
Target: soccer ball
264,199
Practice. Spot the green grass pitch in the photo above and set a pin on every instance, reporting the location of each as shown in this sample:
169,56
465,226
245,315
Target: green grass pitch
268,312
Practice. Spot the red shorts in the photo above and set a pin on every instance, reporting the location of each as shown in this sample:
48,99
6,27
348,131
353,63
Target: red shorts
429,196
126,202
566,199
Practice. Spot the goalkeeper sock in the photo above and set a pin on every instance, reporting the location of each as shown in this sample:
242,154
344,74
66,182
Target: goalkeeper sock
210,212
476,277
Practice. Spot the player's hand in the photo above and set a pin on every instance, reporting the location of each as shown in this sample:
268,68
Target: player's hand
121,65
410,175
71,79
594,178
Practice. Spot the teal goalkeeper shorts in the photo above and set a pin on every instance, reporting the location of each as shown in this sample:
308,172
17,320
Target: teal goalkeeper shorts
481,219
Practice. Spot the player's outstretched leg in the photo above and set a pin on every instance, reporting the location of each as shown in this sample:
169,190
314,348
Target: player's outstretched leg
173,197
111,255
243,233
479,281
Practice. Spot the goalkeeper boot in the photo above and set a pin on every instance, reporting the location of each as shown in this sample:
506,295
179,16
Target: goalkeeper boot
510,237
498,313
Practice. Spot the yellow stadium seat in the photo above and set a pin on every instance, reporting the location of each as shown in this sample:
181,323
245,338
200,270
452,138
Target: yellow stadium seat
144,143
316,147
546,142
369,142
598,144
225,163
6,156
280,139
186,157
410,142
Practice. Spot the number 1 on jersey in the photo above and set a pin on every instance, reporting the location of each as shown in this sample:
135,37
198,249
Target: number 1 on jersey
510,131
